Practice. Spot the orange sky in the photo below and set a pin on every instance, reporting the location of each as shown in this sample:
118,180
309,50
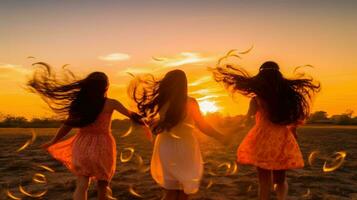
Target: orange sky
119,38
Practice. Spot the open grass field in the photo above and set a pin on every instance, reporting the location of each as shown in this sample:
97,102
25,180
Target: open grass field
18,168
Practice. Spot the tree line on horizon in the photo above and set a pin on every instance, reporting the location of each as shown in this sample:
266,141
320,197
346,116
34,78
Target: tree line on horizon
318,117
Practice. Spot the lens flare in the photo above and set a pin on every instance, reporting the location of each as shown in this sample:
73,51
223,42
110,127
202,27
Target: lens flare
230,53
250,187
190,125
226,165
234,169
211,172
299,67
128,132
133,192
231,168
175,136
312,157
23,191
246,51
45,168
275,186
336,163
64,66
28,142
39,178
307,194
140,160
145,169
12,196
126,158
110,194
209,184
158,59
141,166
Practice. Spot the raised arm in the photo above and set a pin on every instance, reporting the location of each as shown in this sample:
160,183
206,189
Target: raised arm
202,124
130,114
120,108
62,131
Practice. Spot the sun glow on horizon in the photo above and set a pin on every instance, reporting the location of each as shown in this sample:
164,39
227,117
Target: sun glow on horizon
208,107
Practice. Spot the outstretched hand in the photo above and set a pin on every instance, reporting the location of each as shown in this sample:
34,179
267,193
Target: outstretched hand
137,118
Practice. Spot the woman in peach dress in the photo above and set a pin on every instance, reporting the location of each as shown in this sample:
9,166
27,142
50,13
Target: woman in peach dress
279,106
91,153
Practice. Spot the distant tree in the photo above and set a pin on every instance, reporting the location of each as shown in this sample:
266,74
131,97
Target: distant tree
354,120
318,116
44,122
2,116
343,119
13,121
216,119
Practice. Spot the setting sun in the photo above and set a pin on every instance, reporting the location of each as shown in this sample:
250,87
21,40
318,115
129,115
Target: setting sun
208,106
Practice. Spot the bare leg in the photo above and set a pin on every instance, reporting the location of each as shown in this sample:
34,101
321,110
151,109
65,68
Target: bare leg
171,195
81,188
264,183
281,184
102,190
182,195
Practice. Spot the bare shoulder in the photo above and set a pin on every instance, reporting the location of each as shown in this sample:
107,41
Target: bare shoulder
192,102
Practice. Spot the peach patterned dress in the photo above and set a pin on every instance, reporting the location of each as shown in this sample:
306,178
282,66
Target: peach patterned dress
91,152
270,146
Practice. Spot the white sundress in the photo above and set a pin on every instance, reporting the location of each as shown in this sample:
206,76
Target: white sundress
176,162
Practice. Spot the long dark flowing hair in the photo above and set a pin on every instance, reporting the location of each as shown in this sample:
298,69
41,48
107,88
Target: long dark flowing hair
286,101
79,101
150,95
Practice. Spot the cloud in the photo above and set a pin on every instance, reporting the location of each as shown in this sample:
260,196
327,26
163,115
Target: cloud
115,57
135,70
182,59
207,90
210,97
211,93
200,81
11,70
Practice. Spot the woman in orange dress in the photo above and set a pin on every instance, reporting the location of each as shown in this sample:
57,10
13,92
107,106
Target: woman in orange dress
91,153
279,106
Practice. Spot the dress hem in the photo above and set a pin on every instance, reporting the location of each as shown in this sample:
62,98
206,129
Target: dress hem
270,168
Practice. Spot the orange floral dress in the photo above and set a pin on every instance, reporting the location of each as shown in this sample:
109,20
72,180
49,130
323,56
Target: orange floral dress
270,146
91,152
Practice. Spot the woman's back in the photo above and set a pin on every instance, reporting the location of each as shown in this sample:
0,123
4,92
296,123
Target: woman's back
262,117
269,145
92,151
102,124
186,125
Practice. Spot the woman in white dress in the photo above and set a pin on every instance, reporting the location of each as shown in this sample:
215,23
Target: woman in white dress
176,163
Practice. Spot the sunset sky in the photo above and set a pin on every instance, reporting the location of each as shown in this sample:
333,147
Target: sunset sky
157,36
